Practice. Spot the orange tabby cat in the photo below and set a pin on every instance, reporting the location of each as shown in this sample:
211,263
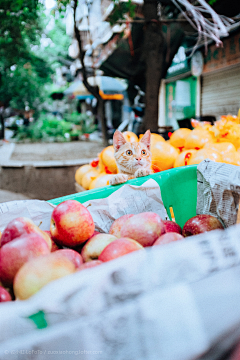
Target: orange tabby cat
133,158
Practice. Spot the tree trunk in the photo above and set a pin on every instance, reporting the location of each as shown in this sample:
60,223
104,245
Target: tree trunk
103,121
154,50
2,133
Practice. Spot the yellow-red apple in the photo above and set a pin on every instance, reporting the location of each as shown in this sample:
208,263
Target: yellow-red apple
89,264
119,247
72,255
94,246
71,224
36,273
54,246
144,227
47,238
21,226
17,252
167,238
80,247
117,225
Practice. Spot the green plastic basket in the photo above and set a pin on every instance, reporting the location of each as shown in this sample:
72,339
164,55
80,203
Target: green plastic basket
178,188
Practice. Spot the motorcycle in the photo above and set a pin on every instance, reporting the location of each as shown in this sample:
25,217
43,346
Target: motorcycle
137,112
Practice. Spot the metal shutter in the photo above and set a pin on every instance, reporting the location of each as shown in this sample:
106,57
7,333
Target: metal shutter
221,92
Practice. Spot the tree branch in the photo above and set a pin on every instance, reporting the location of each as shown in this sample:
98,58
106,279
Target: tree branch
94,90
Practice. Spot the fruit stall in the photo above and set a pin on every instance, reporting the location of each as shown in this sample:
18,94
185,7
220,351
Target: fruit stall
143,270
219,142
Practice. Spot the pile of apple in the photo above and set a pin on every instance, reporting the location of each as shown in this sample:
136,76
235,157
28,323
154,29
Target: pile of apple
31,258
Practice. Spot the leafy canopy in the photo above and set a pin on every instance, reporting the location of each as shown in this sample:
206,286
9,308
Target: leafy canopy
26,65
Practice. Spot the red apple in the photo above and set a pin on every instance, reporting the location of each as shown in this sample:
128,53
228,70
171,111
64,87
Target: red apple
89,264
21,226
94,246
16,252
171,226
72,255
144,228
71,224
119,247
16,228
4,295
167,238
200,224
117,225
38,272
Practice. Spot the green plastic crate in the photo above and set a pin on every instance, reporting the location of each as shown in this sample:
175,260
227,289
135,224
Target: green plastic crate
179,192
178,188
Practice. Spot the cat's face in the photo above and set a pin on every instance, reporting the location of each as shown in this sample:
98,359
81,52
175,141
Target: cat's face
131,156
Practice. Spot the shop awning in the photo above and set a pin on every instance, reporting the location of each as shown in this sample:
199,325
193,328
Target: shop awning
110,88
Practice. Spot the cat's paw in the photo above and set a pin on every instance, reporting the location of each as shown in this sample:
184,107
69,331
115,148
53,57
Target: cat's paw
118,179
142,172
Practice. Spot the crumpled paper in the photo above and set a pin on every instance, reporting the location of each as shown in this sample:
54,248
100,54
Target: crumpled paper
218,187
38,210
129,199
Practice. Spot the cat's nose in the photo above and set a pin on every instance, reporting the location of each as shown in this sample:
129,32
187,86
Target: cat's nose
138,159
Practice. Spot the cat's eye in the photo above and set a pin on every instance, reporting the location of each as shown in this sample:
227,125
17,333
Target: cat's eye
144,152
129,152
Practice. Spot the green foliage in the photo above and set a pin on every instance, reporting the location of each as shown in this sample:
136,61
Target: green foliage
49,129
22,72
211,2
26,63
56,52
62,4
120,10
83,121
19,28
23,84
45,129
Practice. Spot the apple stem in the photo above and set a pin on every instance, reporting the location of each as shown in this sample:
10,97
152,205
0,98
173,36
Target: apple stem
40,224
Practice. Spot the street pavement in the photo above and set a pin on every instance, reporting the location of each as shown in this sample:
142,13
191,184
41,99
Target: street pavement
45,152
10,196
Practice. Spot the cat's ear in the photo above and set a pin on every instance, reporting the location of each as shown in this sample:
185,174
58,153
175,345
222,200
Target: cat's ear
146,139
118,140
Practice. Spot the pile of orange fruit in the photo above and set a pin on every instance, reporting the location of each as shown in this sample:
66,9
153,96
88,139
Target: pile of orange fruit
219,142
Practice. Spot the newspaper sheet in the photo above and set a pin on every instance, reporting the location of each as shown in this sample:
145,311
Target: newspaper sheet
129,199
218,187
37,210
